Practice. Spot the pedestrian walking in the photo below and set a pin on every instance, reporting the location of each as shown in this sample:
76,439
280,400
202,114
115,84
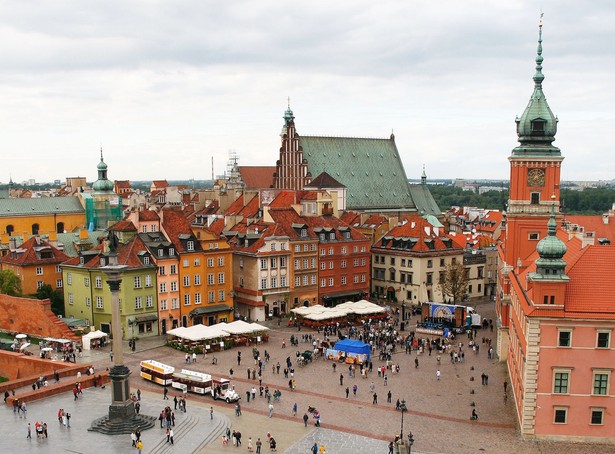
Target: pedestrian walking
389,397
194,357
355,389
140,446
438,375
67,416
341,379
138,394
375,399
259,443
505,386
211,413
305,419
347,391
165,395
295,409
29,433
171,434
416,363
270,410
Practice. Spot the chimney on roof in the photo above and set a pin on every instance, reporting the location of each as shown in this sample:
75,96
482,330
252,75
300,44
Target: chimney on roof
605,218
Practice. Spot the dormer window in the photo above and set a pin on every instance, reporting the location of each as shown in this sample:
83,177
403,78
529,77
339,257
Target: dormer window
171,252
303,233
538,126
322,237
190,245
332,236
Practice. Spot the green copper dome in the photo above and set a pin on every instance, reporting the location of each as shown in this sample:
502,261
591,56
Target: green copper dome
537,126
551,249
102,184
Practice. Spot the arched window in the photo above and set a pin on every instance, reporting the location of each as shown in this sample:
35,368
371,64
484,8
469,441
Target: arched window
10,229
60,227
35,228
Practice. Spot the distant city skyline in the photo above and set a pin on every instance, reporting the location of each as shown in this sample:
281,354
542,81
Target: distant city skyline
165,89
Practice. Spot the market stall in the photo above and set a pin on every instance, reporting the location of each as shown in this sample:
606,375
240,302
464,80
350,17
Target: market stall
350,351
94,339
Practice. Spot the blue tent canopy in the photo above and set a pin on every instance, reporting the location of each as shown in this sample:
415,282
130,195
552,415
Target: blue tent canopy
353,346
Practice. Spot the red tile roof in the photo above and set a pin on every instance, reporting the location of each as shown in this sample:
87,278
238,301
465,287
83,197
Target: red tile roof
415,227
251,209
235,207
148,215
174,224
160,184
595,224
31,254
123,226
257,176
122,184
284,199
217,226
127,254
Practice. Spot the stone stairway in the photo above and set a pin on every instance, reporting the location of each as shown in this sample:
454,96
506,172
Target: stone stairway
118,426
187,439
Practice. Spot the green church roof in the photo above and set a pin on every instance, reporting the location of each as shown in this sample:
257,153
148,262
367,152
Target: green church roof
371,170
40,205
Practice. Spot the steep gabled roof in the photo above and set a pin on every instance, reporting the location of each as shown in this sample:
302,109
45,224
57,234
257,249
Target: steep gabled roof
371,170
418,235
324,180
255,177
160,184
178,230
31,253
250,210
148,215
127,254
123,226
217,226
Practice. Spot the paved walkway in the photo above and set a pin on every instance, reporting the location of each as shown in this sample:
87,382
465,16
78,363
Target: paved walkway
438,410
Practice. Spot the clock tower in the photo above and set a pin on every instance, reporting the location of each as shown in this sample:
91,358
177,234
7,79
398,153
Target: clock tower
534,173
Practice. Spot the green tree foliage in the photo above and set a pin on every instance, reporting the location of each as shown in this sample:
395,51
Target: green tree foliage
588,201
9,283
455,282
55,296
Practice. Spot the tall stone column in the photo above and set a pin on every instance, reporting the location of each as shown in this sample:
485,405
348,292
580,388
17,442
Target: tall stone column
122,418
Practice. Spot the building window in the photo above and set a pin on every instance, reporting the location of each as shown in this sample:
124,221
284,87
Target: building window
533,236
137,281
211,296
392,275
197,279
597,418
99,302
163,287
240,262
86,281
174,303
442,262
312,247
263,264
148,280
561,382
69,278
263,283
304,232
138,303
343,264
282,281
343,280
564,338
355,262
190,245
355,279
323,265
187,300
173,269
323,282
331,265
429,279
297,281
174,286
39,270
186,263
601,383
274,282
197,262
220,278
560,415
603,339
160,252
363,262
149,301
162,271
241,281
393,261
163,305
40,284
306,264
210,279
210,262
221,295
197,298
330,251
146,260
186,281
59,283
297,248
305,279
88,301
363,278
220,261
282,262
535,198
273,246
313,279
330,282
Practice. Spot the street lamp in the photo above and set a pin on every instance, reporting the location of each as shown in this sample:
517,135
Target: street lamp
403,409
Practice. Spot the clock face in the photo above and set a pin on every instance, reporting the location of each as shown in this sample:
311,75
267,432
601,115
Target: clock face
536,177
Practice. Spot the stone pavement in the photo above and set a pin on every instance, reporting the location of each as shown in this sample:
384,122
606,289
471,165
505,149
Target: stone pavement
438,410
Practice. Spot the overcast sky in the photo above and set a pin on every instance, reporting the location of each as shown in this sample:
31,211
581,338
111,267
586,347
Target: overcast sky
164,86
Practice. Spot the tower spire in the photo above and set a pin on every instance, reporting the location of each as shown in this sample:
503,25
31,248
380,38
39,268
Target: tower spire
539,76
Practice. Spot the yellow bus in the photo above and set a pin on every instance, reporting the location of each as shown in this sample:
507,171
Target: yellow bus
157,372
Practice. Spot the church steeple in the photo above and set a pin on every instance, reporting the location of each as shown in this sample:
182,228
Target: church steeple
537,126
423,176
102,184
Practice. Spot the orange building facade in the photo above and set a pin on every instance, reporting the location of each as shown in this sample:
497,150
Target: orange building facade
556,296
